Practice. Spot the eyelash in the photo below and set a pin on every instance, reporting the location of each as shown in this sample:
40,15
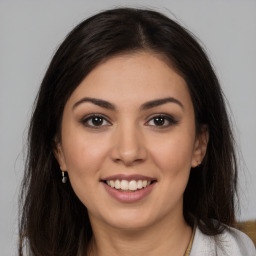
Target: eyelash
89,118
170,119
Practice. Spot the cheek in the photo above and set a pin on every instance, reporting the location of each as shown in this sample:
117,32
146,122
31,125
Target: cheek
84,154
173,159
84,158
174,154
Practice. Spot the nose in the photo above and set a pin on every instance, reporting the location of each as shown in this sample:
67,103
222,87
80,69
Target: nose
128,145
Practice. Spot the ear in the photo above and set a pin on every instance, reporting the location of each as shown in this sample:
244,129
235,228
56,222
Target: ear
200,146
59,155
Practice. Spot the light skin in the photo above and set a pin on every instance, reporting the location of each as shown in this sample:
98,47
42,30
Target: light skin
133,133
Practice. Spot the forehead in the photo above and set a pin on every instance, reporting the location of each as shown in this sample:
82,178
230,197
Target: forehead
133,78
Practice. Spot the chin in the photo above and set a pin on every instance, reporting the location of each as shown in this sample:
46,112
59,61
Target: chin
130,220
131,225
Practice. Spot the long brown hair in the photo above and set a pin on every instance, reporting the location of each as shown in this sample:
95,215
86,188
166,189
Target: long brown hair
53,220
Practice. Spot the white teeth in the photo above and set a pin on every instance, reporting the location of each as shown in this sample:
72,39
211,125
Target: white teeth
139,184
126,185
117,184
132,185
144,183
112,183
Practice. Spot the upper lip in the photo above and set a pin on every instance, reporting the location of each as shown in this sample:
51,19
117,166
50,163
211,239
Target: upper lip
128,177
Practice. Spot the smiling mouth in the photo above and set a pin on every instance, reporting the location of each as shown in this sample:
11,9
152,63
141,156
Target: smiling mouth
128,185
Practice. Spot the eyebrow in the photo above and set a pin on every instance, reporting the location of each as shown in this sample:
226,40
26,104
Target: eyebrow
144,106
158,102
98,102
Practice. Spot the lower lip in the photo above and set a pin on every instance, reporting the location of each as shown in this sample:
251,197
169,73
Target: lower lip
129,197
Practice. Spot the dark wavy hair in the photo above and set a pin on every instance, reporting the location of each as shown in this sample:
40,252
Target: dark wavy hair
53,220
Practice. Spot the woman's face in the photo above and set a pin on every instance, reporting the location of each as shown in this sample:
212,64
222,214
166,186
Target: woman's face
128,141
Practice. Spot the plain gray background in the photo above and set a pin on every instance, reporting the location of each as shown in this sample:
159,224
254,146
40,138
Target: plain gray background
30,31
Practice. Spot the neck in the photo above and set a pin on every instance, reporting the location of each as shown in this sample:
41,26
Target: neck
167,237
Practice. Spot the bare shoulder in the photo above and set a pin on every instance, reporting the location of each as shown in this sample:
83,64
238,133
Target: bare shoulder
230,242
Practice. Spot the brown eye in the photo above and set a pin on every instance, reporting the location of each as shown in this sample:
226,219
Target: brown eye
162,121
159,121
95,121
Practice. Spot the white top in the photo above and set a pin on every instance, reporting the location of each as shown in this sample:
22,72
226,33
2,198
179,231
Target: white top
231,242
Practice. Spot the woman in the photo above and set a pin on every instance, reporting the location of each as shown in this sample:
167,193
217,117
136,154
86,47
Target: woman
130,147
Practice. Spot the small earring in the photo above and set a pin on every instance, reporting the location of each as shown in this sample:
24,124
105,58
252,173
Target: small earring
64,178
198,164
